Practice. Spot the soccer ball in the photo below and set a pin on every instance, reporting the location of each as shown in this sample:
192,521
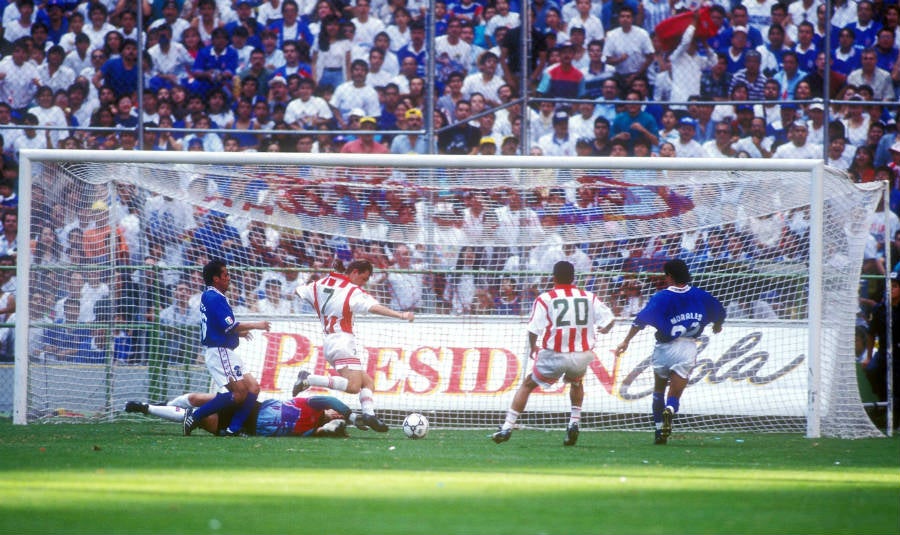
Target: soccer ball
415,426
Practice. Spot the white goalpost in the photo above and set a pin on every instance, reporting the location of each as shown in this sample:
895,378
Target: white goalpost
108,291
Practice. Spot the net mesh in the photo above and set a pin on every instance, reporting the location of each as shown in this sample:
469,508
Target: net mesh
117,250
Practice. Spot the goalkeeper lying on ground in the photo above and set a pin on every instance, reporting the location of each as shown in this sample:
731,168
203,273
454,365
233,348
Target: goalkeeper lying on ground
303,417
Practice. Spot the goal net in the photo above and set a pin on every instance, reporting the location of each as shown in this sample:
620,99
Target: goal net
109,290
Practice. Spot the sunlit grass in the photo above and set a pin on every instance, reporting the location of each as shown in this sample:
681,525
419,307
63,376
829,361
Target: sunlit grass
77,487
125,478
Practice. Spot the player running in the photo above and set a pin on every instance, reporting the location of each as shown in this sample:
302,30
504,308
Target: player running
336,298
561,337
679,313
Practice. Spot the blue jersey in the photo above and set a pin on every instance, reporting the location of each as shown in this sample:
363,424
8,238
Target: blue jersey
680,312
217,321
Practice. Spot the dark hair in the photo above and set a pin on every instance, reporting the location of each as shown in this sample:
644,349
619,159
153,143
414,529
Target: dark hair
564,272
97,6
363,266
324,40
678,270
213,269
20,44
618,143
39,25
643,141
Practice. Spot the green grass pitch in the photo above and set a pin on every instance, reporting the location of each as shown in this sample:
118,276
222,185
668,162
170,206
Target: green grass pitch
143,477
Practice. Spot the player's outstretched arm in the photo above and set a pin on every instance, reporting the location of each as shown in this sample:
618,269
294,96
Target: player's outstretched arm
243,328
261,325
624,345
385,311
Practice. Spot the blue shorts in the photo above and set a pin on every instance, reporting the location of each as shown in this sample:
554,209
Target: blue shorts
270,422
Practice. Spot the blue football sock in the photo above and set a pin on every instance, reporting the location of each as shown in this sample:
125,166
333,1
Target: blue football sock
658,407
240,416
213,406
672,402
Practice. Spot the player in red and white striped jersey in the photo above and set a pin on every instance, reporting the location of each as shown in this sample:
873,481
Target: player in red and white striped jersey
561,335
336,298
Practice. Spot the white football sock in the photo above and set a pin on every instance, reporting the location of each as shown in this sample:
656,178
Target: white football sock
511,417
332,382
180,401
167,412
576,415
366,402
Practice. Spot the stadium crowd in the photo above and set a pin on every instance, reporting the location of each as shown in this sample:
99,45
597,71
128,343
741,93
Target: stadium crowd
242,65
289,75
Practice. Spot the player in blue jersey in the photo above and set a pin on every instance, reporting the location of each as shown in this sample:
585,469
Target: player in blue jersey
221,333
679,313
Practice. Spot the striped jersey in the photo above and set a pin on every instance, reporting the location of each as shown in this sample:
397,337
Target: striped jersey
335,299
564,319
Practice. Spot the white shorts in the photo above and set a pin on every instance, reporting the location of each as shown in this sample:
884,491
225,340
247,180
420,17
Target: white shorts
340,351
224,366
549,366
677,356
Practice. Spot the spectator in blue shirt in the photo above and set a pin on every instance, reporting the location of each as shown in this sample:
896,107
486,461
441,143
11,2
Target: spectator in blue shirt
416,47
886,49
244,11
218,237
121,74
215,65
866,27
634,123
609,14
53,16
847,55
